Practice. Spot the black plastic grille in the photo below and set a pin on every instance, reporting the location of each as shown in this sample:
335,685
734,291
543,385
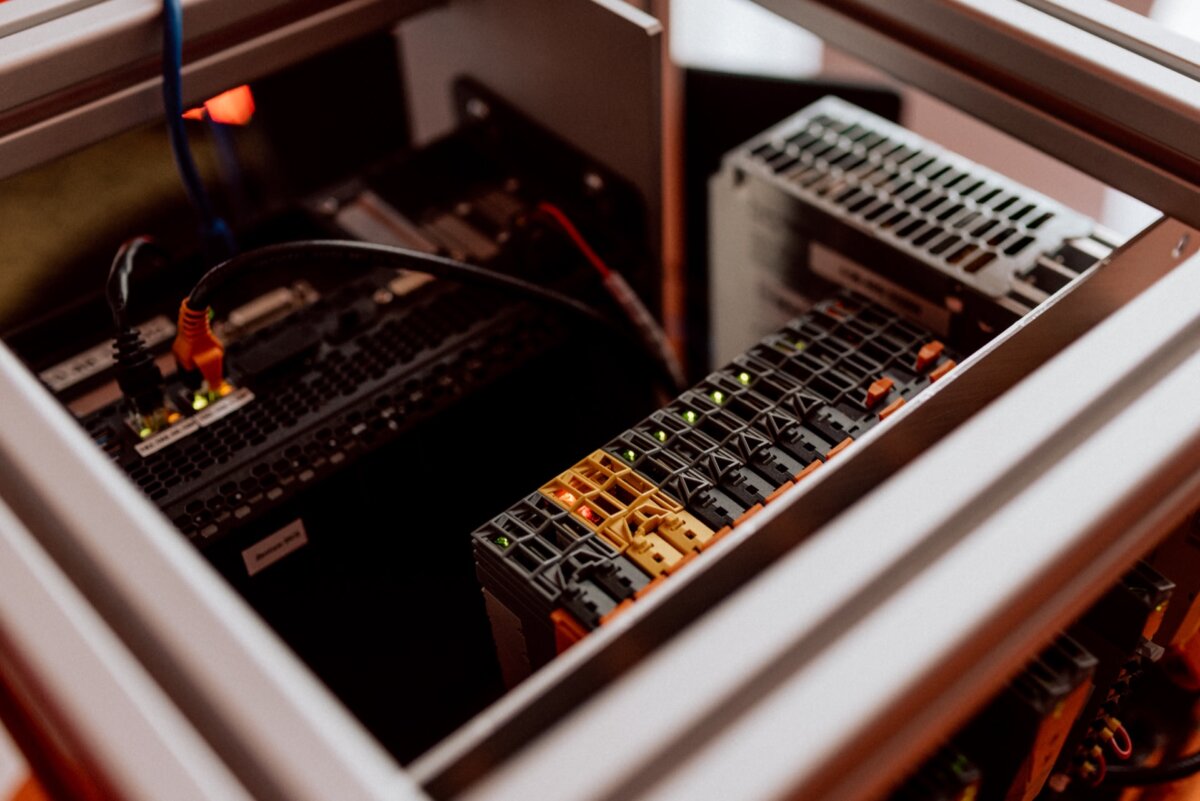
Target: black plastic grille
352,395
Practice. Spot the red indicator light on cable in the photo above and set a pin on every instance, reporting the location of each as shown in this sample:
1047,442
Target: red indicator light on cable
235,107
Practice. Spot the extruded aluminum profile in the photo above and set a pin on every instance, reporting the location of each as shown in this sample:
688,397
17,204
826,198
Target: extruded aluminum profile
16,17
1112,112
1085,469
567,688
1143,35
842,664
87,75
55,645
281,732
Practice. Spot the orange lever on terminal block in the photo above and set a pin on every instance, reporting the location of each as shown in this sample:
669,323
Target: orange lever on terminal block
928,354
878,391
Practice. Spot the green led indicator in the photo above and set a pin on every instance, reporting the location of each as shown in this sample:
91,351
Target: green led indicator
629,455
660,435
744,379
799,345
718,396
689,417
145,432
502,541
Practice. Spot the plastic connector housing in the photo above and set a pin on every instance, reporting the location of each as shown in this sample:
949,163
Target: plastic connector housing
197,348
629,512
138,376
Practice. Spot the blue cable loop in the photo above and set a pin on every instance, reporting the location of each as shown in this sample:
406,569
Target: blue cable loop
217,234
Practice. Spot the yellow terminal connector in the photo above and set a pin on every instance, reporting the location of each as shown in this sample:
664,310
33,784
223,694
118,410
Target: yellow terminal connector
197,348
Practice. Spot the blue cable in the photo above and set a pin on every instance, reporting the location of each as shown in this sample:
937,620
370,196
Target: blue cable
218,236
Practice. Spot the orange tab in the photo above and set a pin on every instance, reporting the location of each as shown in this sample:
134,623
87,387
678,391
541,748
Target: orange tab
891,408
714,539
620,608
749,513
841,446
878,391
808,471
928,354
1154,621
567,630
942,369
787,486
673,569
654,583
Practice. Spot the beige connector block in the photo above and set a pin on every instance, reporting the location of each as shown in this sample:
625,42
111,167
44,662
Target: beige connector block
629,512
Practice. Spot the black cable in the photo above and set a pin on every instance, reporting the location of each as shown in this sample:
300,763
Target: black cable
123,264
138,376
1138,775
373,255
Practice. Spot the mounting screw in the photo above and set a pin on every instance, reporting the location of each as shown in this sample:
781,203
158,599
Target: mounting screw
478,109
329,206
1181,245
593,182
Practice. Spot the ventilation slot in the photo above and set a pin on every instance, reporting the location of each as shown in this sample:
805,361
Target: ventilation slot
1018,246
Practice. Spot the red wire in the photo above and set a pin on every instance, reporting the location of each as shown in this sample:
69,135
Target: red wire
1101,769
1123,751
571,231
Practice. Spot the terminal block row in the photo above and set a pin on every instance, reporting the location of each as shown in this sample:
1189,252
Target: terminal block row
607,530
1036,711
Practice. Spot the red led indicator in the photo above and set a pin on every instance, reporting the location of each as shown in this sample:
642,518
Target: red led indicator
235,107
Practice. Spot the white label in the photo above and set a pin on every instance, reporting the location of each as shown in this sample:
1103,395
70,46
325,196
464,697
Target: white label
224,407
268,551
837,268
185,428
14,770
98,359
